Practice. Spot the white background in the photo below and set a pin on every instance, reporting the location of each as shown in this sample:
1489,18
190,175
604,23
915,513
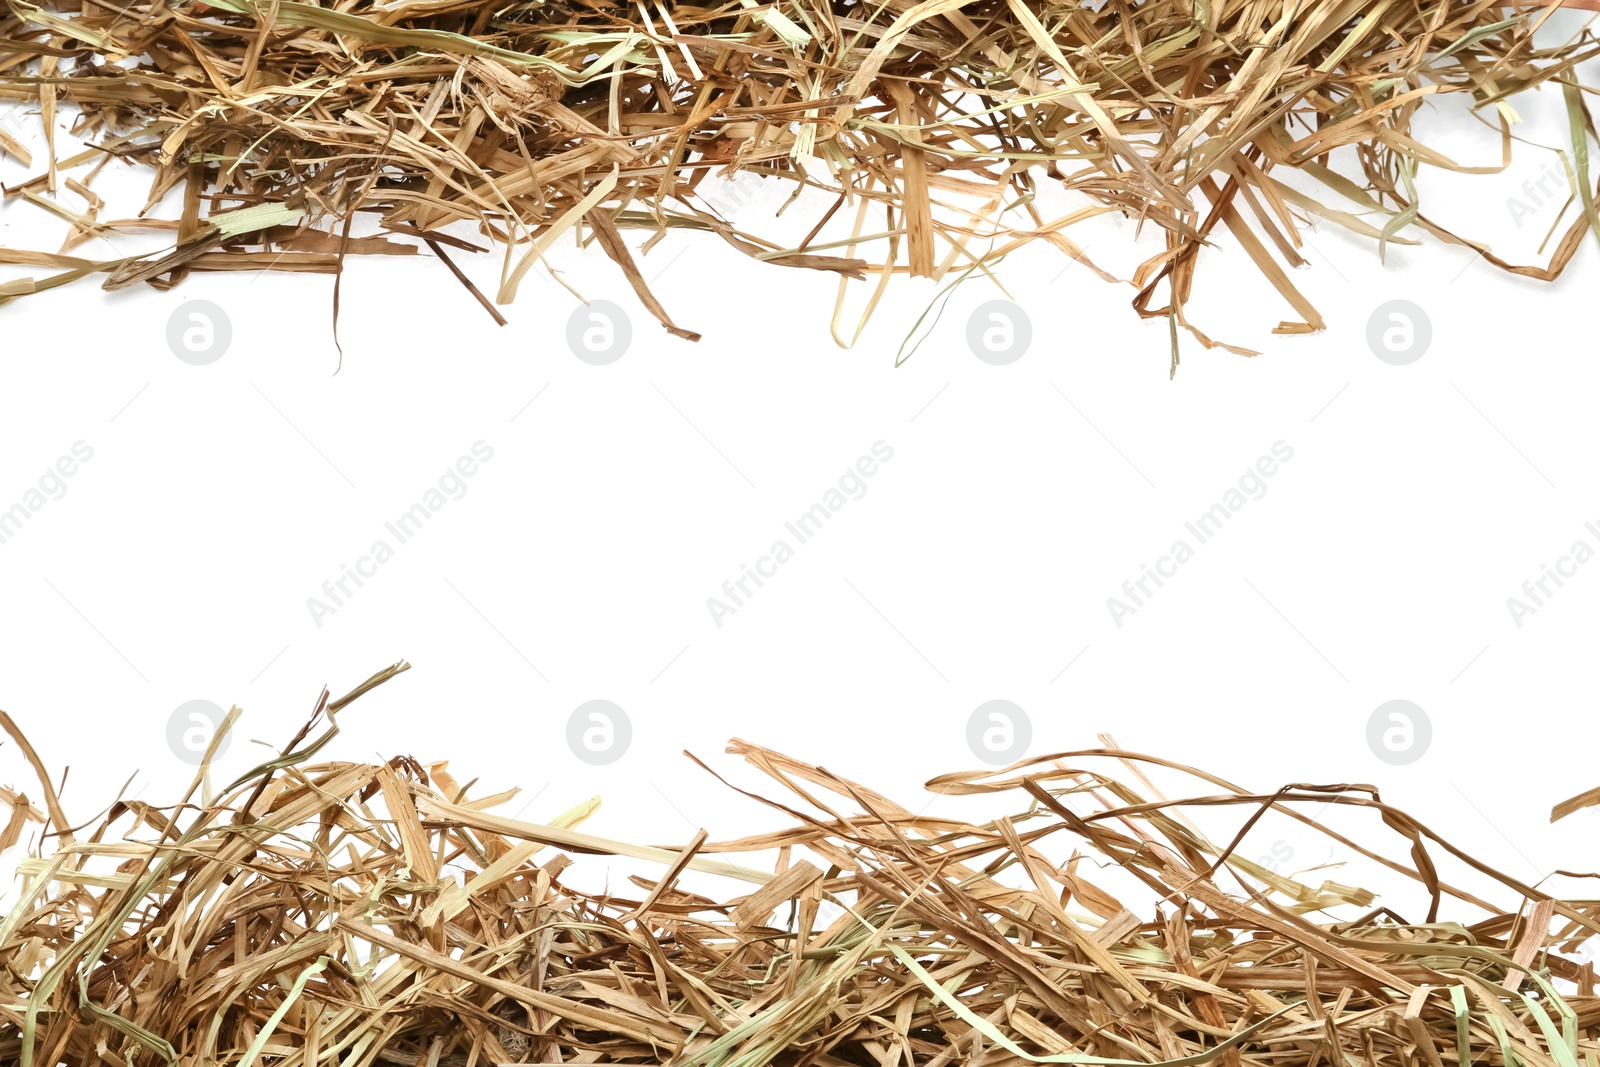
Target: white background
179,562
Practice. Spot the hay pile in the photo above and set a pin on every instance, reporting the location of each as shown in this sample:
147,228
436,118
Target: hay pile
926,126
351,914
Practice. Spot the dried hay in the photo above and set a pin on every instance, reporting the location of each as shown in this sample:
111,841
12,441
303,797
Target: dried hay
927,125
354,914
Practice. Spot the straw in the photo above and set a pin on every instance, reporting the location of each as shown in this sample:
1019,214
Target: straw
923,133
337,913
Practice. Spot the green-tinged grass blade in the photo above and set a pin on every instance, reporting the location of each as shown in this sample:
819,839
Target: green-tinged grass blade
1406,216
993,1033
1580,153
1458,1000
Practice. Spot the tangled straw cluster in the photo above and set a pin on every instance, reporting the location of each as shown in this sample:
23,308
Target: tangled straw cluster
930,124
356,914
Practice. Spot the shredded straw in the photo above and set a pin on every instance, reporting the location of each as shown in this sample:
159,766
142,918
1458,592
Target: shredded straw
356,914
921,130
